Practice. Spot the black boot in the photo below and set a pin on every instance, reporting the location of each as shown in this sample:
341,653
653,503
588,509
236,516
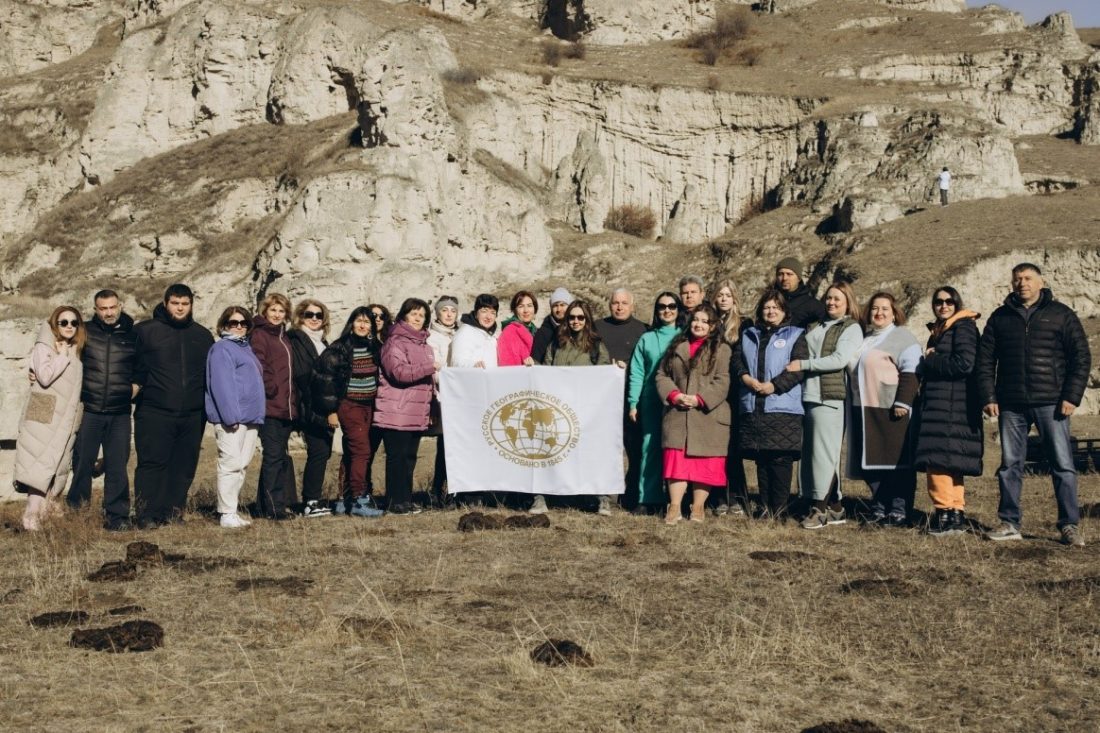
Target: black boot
941,523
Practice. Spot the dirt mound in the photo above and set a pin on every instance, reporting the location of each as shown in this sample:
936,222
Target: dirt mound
879,586
131,636
114,570
679,566
560,653
144,553
291,585
849,725
59,618
780,555
125,610
1084,585
477,521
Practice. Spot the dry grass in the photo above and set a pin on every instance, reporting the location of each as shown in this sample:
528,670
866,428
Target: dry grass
732,25
637,221
412,625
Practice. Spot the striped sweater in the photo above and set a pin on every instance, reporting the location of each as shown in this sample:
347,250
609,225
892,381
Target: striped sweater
363,384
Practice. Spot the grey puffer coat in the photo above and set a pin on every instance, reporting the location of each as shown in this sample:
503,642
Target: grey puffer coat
47,430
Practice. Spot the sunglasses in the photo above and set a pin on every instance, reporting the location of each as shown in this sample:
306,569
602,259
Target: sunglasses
312,315
937,302
65,323
378,316
581,319
667,307
236,323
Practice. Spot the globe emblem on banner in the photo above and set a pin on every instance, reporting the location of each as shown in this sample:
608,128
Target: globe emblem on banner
531,428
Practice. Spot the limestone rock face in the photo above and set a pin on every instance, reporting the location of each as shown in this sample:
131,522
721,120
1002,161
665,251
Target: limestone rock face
1087,125
863,174
37,33
733,148
615,22
580,187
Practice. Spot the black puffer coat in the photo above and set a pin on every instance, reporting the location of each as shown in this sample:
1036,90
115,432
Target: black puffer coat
109,357
769,431
303,357
803,307
1027,362
544,336
331,373
949,431
171,363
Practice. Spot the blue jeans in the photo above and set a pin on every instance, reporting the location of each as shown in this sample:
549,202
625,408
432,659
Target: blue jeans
1054,432
892,491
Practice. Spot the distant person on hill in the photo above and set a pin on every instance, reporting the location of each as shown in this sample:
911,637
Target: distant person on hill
548,331
803,307
944,182
109,357
1033,365
691,291
950,441
170,375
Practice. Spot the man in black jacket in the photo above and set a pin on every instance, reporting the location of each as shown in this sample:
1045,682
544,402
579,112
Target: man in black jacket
1032,368
109,357
171,378
801,304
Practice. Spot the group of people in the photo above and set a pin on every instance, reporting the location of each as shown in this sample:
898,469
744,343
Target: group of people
709,385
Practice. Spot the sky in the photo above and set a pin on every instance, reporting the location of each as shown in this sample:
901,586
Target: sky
1086,13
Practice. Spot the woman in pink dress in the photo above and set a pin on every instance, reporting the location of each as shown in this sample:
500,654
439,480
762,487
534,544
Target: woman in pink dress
693,382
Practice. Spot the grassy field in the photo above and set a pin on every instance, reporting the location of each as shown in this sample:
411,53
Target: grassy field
404,623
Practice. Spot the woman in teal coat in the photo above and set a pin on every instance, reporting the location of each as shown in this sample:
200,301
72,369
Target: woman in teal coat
644,404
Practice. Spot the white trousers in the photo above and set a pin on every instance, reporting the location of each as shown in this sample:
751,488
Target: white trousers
235,451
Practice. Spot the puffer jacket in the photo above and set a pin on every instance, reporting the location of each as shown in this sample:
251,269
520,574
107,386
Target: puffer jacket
47,430
234,384
949,431
272,348
803,307
303,358
405,380
1030,361
171,363
472,344
109,357
773,423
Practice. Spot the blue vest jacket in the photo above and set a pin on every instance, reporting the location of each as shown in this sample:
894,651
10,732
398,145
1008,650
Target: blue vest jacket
777,355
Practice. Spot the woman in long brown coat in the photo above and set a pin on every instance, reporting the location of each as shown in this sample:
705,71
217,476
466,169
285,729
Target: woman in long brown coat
693,382
47,431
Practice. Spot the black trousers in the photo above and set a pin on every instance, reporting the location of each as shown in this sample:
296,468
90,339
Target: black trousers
439,477
276,471
774,470
112,433
167,446
318,451
401,447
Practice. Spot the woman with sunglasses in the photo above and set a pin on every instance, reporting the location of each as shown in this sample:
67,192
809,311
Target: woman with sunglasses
950,442
308,337
693,382
643,403
47,430
382,321
576,344
734,496
235,406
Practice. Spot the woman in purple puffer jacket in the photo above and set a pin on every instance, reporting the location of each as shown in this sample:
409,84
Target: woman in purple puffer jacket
404,399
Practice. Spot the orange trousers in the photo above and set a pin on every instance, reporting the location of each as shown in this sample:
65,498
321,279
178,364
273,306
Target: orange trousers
946,490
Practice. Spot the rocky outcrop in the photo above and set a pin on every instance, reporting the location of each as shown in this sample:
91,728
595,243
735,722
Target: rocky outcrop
580,190
878,165
733,148
1087,124
37,33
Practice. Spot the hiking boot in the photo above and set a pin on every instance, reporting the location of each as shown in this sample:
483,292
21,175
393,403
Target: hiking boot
1071,536
538,506
895,519
363,506
1005,531
315,509
816,519
118,524
940,524
406,507
604,506
836,516
233,521
877,518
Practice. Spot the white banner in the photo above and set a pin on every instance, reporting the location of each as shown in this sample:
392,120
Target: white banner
534,430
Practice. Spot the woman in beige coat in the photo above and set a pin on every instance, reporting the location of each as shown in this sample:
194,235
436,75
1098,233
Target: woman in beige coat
693,382
47,430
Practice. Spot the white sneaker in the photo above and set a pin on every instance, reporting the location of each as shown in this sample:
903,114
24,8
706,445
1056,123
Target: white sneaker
604,509
315,509
233,521
538,506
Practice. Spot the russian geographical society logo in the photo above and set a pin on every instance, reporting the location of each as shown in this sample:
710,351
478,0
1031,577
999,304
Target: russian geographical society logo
531,428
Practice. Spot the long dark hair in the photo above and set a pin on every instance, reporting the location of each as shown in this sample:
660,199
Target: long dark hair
709,349
380,332
954,296
587,339
363,310
681,315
